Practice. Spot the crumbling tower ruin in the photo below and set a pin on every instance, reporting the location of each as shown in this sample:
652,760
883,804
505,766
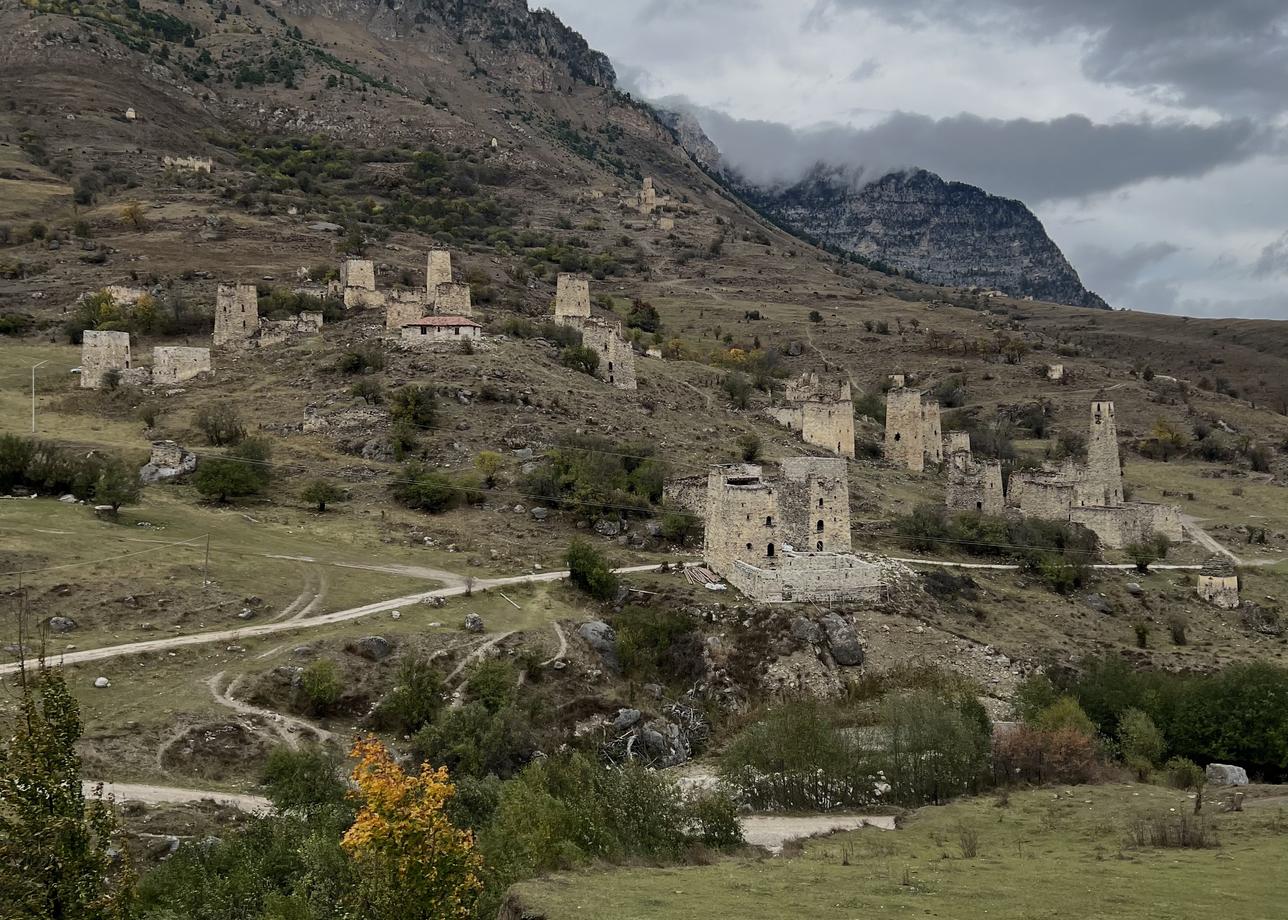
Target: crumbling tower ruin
572,298
101,353
173,364
1219,583
236,314
913,433
648,196
452,299
821,413
975,486
438,270
956,442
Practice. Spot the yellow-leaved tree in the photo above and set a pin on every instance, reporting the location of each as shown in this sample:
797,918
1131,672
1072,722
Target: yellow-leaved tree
412,862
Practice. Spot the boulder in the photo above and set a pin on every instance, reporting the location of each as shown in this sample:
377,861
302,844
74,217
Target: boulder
1224,774
539,514
167,461
1099,603
843,641
102,683
601,637
1134,589
372,648
608,528
625,719
806,631
61,624
473,623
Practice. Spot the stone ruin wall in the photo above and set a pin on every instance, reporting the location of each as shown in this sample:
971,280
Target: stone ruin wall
616,356
1041,497
829,579
236,314
975,486
453,299
956,442
173,364
905,432
1221,590
814,492
358,274
830,426
189,164
102,352
572,297
1104,474
401,308
687,493
934,432
438,269
280,331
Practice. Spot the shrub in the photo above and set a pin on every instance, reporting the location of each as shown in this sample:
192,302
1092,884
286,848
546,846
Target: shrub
1140,742
415,700
715,822
472,740
414,405
305,778
360,361
580,358
738,388
220,424
596,477
422,489
369,391
488,464
1065,713
643,316
1146,552
938,748
243,472
653,642
116,486
1176,625
1032,755
680,527
321,686
492,684
1172,830
749,446
589,571
815,316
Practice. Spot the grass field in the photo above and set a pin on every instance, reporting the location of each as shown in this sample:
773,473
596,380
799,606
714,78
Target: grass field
1047,855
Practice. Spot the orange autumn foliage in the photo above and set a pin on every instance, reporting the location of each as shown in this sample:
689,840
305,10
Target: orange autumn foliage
413,862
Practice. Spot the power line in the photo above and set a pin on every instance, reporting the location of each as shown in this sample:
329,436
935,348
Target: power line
73,565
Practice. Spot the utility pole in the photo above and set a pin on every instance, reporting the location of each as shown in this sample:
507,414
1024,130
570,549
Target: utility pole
33,394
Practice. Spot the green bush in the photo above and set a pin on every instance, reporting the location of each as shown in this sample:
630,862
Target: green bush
1140,742
580,358
749,446
309,777
654,642
415,700
423,489
414,405
738,388
220,424
590,571
472,740
598,478
244,471
321,686
360,361
321,492
493,684
938,748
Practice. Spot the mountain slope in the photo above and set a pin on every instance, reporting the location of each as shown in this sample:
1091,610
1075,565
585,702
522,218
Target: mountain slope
947,233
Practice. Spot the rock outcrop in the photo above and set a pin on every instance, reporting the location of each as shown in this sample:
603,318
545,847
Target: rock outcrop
936,231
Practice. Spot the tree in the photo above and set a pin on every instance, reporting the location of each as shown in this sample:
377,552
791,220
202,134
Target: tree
321,685
116,486
1141,742
749,446
1066,713
815,316
243,472
55,848
412,862
320,493
220,424
738,388
643,316
414,405
305,778
489,464
132,214
589,571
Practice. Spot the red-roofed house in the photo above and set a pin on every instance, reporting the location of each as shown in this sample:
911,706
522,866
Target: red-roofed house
438,329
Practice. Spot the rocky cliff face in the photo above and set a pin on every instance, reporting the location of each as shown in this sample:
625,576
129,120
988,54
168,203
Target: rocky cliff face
941,232
495,30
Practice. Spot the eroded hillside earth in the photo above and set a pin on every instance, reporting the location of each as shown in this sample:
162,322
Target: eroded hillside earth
432,486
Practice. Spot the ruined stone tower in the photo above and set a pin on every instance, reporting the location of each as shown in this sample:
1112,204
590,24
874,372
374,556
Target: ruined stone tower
905,431
956,442
102,352
236,314
934,432
974,486
814,503
822,413
648,197
1104,470
438,269
452,299
616,356
572,298
1219,583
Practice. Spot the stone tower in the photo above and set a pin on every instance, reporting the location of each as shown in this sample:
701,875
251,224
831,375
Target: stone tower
452,299
956,442
102,352
821,412
814,504
236,314
934,432
438,270
1104,471
905,430
572,298
974,486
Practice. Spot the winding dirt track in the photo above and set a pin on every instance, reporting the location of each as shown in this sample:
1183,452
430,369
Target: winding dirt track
326,619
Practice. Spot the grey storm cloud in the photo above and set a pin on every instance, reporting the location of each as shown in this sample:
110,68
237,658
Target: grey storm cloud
1120,275
1068,157
1231,55
1273,260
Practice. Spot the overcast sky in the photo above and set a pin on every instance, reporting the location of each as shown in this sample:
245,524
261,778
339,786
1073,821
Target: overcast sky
1150,136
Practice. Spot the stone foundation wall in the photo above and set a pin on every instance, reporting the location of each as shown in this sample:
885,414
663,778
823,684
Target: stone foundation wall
172,364
1041,498
809,577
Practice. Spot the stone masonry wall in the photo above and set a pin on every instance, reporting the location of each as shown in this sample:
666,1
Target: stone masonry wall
905,432
402,307
975,486
102,352
172,364
453,299
572,297
934,432
616,356
1104,470
236,314
438,269
358,274
742,517
814,504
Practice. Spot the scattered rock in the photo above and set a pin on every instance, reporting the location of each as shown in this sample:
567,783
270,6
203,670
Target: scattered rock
372,648
539,514
1134,589
67,499
167,461
1224,774
608,528
625,719
1099,603
103,683
61,624
807,631
473,623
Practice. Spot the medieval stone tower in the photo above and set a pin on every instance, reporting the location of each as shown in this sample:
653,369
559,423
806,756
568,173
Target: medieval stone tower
572,298
1104,471
451,299
236,314
975,486
438,270
905,431
821,413
102,352
814,503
